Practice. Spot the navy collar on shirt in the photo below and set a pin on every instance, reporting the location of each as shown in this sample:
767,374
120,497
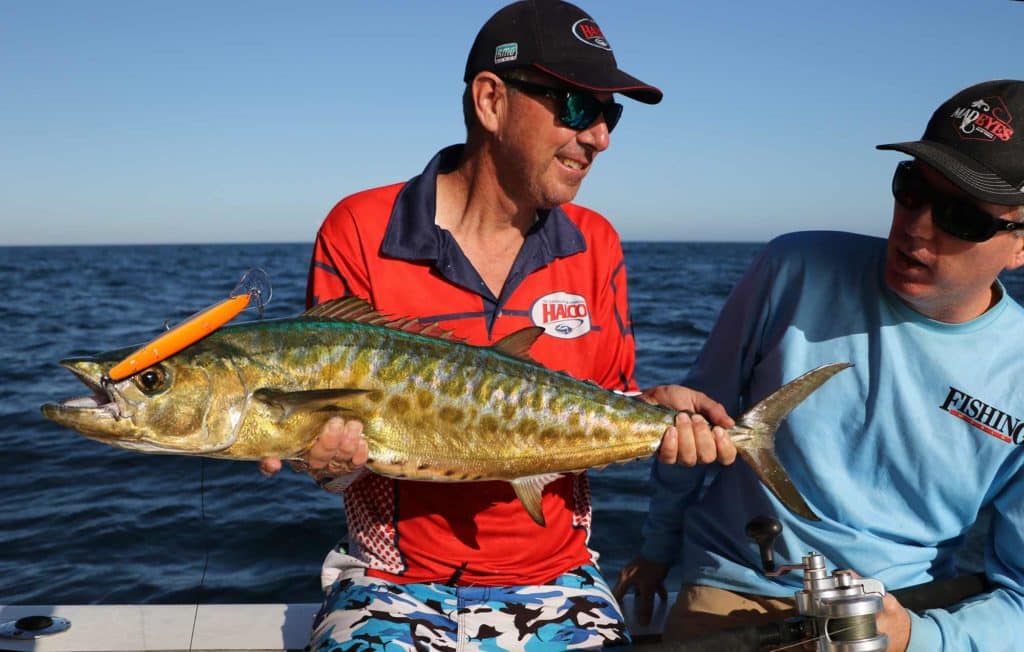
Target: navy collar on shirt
412,234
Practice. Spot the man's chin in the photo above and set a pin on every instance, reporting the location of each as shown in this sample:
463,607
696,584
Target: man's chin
554,200
916,295
902,285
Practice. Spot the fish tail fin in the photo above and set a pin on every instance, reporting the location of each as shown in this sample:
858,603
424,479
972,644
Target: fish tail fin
765,418
769,412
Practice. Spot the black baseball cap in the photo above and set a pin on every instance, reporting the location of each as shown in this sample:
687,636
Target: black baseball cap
976,140
557,38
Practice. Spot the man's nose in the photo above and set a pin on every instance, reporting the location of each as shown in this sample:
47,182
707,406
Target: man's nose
595,137
917,222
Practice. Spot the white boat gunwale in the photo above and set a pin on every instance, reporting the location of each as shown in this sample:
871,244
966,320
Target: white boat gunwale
220,627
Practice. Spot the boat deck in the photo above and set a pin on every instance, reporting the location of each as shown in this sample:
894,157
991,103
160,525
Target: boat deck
206,628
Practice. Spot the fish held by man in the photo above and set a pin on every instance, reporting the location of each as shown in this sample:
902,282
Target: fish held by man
432,407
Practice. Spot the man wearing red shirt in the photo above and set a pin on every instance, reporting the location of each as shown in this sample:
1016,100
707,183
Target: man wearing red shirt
484,243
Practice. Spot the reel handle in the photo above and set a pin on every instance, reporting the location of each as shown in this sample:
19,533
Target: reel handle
764,530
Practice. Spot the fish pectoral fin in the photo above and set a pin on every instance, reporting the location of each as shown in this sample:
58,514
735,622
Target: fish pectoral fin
769,470
517,344
529,490
313,400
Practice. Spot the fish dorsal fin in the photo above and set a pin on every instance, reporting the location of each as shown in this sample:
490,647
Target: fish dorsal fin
517,344
307,401
529,490
354,309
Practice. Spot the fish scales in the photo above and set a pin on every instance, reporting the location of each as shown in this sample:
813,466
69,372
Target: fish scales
432,408
490,417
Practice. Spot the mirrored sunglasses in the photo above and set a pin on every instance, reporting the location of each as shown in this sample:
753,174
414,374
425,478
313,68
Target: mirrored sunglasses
957,216
577,109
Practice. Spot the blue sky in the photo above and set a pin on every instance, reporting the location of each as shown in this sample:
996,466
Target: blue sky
153,122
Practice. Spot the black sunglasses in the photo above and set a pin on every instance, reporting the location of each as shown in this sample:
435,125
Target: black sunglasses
957,216
577,109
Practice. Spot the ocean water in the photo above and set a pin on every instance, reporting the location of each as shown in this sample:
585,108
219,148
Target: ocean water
84,523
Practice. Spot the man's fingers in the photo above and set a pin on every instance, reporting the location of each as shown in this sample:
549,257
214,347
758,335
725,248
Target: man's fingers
642,600
325,446
624,582
713,410
704,440
269,466
687,445
726,447
339,448
694,441
651,395
353,447
645,579
362,453
668,452
619,591
643,607
352,429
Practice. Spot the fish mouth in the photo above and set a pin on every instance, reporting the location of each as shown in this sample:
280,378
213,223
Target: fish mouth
105,415
101,406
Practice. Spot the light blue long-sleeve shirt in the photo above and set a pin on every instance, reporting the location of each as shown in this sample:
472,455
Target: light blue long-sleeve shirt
896,455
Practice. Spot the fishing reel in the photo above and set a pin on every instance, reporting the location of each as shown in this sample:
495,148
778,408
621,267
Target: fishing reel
837,610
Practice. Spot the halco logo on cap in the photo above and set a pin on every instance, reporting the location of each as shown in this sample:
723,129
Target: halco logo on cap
587,31
562,315
506,52
984,119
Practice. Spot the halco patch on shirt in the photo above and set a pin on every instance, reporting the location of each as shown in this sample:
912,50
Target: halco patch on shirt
562,315
987,418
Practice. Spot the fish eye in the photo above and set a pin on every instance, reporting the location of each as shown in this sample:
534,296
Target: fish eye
151,380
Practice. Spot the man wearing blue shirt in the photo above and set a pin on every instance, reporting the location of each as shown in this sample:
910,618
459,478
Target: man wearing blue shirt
898,455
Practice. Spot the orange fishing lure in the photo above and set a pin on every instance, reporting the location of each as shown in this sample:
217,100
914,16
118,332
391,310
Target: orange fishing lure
253,284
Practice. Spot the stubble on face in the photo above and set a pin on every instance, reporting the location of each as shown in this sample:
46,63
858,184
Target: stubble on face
546,161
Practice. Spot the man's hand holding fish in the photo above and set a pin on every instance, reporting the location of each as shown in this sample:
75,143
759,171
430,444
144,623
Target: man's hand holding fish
338,450
699,434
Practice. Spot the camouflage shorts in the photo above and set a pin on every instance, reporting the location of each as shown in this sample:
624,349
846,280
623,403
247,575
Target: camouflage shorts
576,611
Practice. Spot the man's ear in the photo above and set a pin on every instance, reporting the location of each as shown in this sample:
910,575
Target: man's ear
490,100
1016,257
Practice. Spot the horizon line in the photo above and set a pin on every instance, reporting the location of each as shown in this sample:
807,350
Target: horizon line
310,243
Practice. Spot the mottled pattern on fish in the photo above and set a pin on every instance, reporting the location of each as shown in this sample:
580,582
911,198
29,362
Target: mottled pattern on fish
432,408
